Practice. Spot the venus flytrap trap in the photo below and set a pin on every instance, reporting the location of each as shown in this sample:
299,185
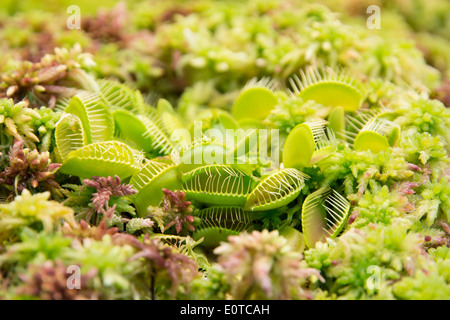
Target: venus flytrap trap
324,214
215,224
336,121
158,135
200,153
218,185
295,238
119,96
97,121
170,118
371,132
103,159
131,128
328,88
69,135
213,121
149,182
276,190
256,100
145,131
317,142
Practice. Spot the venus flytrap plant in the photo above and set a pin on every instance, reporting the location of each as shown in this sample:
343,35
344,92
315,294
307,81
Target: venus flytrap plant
150,181
324,215
119,96
371,132
276,190
295,238
244,150
328,88
103,159
336,121
170,118
157,133
316,140
138,123
256,100
199,153
131,128
215,224
218,185
211,120
97,121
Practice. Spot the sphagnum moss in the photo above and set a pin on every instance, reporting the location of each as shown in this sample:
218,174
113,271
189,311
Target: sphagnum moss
115,157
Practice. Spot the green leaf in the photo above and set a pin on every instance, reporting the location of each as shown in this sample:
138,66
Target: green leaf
97,121
102,159
307,144
132,128
328,89
69,135
218,185
324,214
255,101
149,182
276,190
217,223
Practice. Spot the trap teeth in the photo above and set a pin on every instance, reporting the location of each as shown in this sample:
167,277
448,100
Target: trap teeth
307,144
324,215
328,88
217,223
368,132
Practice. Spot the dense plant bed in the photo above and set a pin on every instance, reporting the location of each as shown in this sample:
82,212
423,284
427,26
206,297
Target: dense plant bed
225,150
